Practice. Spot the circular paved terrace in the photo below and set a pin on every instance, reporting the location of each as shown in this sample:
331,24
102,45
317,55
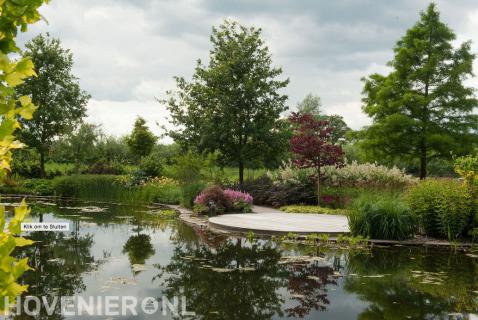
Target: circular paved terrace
277,222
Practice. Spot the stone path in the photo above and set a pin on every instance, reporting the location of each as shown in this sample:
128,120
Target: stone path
270,221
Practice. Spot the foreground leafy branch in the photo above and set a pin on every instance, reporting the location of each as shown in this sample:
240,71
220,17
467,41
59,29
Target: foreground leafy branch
14,15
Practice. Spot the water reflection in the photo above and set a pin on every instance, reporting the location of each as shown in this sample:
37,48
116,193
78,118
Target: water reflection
224,294
307,285
413,283
59,261
234,278
139,248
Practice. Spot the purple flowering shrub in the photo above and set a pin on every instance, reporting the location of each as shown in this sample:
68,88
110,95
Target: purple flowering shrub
227,200
241,201
212,194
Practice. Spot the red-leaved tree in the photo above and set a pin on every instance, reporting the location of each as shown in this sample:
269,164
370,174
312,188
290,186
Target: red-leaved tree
312,146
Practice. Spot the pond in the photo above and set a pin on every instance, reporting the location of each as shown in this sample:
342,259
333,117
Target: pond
117,250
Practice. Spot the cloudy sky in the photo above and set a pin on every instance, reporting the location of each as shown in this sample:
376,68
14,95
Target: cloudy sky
126,52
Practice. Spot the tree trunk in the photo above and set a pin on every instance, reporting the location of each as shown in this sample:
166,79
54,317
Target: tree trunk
318,187
423,162
42,163
241,174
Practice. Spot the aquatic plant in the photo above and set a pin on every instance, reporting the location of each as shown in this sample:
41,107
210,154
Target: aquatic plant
107,187
250,236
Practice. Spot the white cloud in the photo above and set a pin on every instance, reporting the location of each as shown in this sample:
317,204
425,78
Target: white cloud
117,117
352,113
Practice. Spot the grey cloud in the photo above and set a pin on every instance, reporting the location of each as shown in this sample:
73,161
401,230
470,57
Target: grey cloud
122,47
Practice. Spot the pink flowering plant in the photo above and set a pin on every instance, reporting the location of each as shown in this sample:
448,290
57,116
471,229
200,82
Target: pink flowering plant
241,201
227,200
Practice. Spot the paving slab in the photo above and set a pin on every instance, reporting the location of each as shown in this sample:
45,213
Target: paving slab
281,223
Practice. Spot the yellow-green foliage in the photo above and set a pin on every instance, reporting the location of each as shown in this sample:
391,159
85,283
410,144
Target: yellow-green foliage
10,268
13,15
443,207
312,209
467,168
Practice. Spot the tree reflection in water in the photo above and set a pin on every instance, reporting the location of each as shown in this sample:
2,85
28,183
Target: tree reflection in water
59,263
307,284
139,248
237,279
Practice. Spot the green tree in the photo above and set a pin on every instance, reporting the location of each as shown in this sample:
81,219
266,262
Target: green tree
310,104
422,109
341,130
82,142
113,149
56,90
142,140
232,105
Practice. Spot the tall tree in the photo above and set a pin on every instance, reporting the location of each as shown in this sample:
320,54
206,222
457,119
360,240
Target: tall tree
422,109
310,104
312,144
341,129
233,104
55,90
142,140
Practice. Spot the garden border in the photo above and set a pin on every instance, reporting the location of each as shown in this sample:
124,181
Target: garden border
188,217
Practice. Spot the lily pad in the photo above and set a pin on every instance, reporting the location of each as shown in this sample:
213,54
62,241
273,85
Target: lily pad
139,267
222,270
121,280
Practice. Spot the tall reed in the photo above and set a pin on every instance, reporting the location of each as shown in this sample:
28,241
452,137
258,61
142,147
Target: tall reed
107,187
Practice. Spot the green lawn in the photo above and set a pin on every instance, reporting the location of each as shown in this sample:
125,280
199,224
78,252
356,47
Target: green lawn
313,210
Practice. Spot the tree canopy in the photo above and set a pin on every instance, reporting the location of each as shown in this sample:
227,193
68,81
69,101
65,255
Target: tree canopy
81,143
311,104
312,144
422,109
56,90
233,104
142,140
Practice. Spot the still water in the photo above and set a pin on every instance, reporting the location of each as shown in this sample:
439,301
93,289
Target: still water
118,250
